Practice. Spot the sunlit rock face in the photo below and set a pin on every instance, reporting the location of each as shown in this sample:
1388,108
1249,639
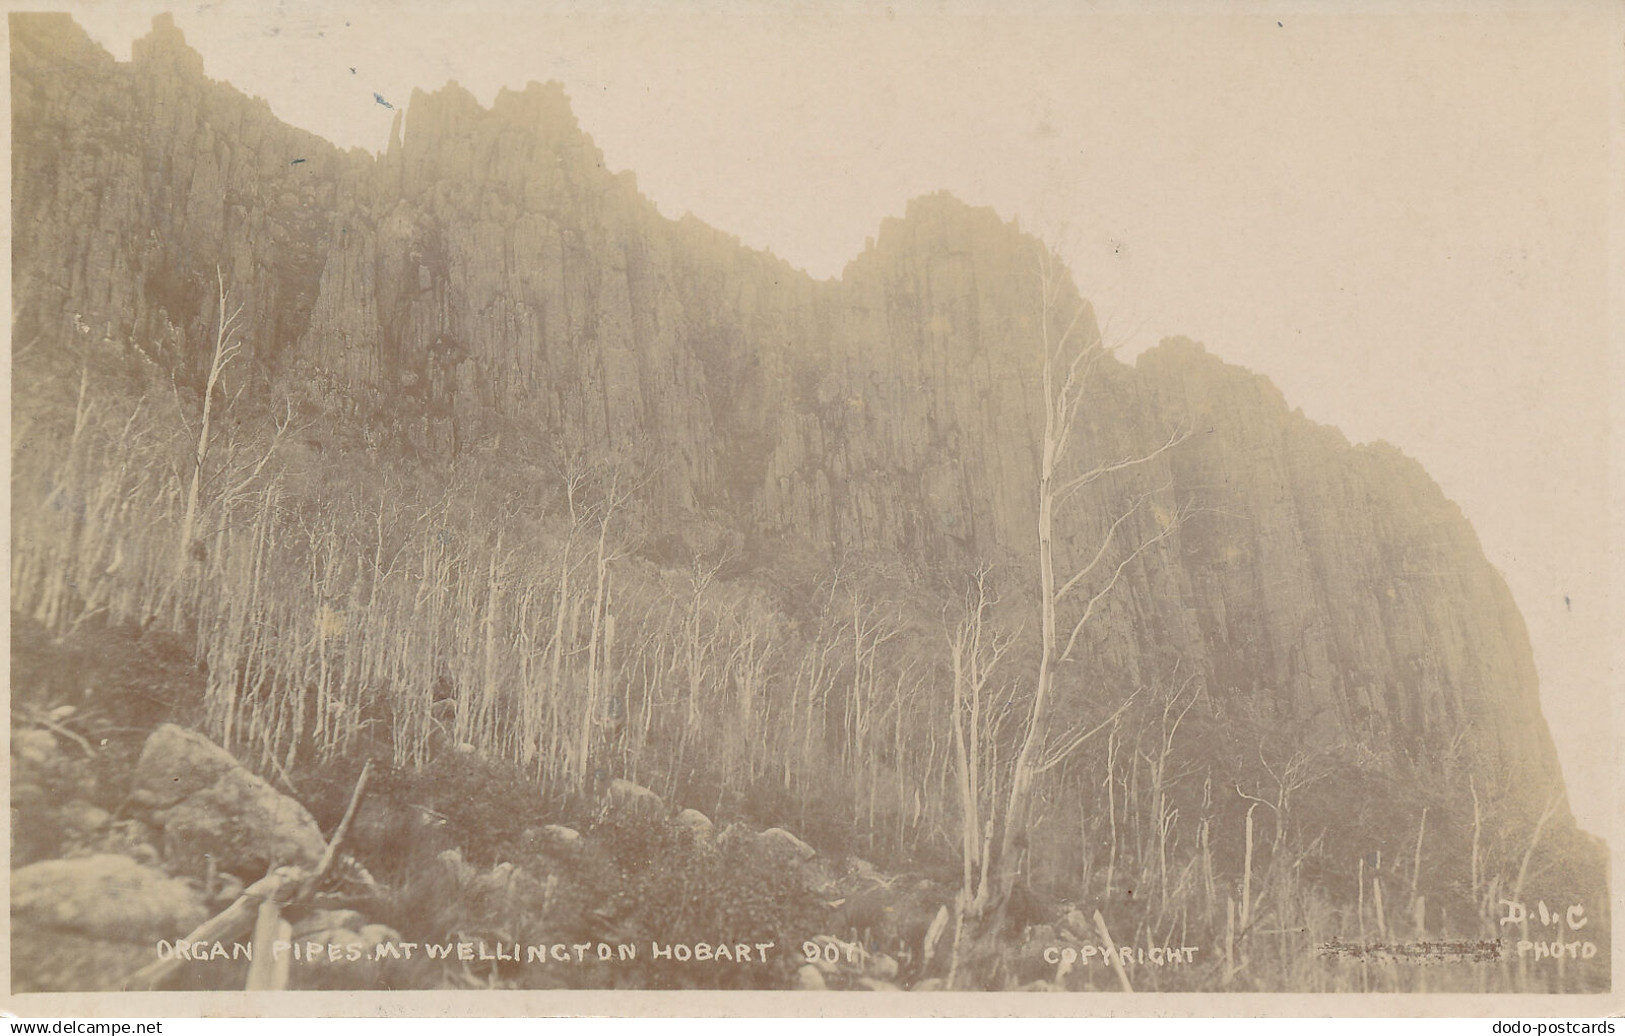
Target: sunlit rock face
490,275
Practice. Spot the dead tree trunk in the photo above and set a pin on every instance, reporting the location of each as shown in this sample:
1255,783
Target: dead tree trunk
1071,352
226,349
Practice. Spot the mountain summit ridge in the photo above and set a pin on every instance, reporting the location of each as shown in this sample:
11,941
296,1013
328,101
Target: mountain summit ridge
487,278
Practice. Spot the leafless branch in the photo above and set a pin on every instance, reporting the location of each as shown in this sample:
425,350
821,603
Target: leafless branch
1059,755
1095,474
1089,609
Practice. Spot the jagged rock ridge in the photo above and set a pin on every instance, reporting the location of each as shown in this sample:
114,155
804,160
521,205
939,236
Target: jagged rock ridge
489,271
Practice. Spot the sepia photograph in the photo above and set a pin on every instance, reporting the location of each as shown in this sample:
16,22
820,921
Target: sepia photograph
566,503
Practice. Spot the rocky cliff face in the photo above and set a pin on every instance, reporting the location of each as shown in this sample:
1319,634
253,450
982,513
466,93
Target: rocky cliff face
491,272
136,181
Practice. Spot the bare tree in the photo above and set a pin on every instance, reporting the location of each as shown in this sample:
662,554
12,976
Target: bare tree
975,649
1072,353
242,466
226,348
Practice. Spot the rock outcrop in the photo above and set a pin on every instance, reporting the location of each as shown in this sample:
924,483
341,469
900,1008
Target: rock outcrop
634,799
210,807
777,839
696,824
108,897
487,278
158,177
86,922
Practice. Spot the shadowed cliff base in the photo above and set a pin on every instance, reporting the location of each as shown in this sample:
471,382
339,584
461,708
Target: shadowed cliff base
463,460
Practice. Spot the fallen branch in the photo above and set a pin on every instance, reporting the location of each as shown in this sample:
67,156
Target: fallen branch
344,824
231,924
269,970
1112,954
280,887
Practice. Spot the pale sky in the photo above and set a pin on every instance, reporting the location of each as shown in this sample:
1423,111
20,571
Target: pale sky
1397,213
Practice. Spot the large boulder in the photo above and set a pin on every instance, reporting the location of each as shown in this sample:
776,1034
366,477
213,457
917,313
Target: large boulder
550,842
83,819
781,839
345,958
34,748
318,921
210,806
107,897
634,798
558,836
53,960
697,824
